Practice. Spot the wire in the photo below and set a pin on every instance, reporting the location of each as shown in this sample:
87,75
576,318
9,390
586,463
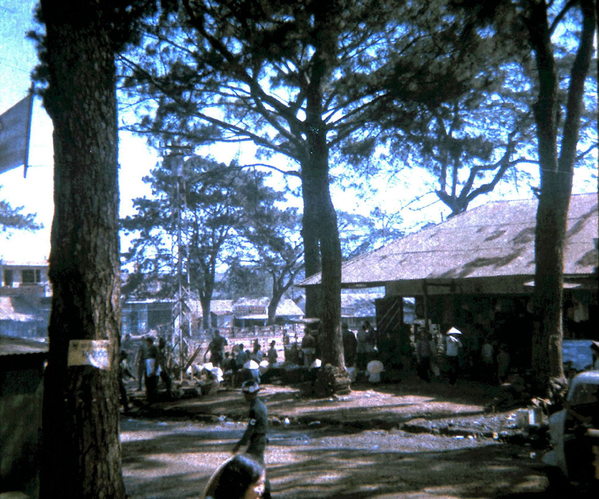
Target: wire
5,62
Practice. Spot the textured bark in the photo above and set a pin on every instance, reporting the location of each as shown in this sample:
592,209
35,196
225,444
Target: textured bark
556,188
320,219
81,446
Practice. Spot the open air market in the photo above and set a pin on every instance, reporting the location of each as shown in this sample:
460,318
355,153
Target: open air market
256,249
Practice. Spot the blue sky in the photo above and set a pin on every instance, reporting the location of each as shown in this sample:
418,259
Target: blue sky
17,59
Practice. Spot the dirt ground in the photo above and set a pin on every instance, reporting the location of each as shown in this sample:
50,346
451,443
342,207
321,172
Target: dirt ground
412,440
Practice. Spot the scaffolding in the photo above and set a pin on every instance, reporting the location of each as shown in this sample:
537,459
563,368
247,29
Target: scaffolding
181,309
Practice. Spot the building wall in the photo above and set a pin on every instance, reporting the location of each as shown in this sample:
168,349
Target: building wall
24,279
21,423
471,286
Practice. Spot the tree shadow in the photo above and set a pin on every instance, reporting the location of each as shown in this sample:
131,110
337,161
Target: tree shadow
320,463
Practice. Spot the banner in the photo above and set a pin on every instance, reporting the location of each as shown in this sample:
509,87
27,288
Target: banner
14,135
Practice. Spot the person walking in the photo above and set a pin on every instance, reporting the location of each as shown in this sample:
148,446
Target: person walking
452,352
255,434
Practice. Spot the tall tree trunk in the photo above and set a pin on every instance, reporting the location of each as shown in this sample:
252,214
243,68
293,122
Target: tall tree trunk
205,303
312,259
320,219
81,449
556,188
277,294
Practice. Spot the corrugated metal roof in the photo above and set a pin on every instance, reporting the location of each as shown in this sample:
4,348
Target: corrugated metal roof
10,345
493,240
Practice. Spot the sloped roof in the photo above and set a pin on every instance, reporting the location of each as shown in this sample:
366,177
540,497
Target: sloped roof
493,240
288,308
221,307
10,345
358,304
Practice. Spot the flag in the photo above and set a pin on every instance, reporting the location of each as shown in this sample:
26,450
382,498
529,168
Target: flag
14,135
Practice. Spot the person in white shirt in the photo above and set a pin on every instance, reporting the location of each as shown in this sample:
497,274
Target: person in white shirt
452,352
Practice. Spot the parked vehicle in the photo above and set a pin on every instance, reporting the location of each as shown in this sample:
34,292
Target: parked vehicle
573,460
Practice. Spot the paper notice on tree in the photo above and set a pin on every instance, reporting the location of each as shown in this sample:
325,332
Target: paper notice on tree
89,353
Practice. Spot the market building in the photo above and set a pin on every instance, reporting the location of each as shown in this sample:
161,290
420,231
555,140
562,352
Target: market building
475,272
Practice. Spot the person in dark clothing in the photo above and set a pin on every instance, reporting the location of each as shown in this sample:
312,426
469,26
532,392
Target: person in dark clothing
151,370
255,433
424,352
241,477
163,366
124,372
272,353
142,355
350,344
217,349
308,348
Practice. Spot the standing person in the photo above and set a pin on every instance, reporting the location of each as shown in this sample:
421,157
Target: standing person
503,363
255,434
241,477
216,347
240,358
257,354
124,372
272,353
366,345
308,348
452,352
350,344
163,366
151,370
140,360
488,361
424,352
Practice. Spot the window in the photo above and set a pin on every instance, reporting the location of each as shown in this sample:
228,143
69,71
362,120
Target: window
30,276
8,278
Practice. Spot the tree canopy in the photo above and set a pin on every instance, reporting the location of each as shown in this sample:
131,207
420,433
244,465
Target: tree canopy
14,218
194,223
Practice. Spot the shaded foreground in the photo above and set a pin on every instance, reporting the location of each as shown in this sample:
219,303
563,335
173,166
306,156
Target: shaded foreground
176,459
352,448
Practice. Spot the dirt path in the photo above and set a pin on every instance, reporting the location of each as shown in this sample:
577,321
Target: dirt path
412,440
176,459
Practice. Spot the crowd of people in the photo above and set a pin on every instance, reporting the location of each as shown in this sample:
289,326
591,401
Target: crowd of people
244,475
368,355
